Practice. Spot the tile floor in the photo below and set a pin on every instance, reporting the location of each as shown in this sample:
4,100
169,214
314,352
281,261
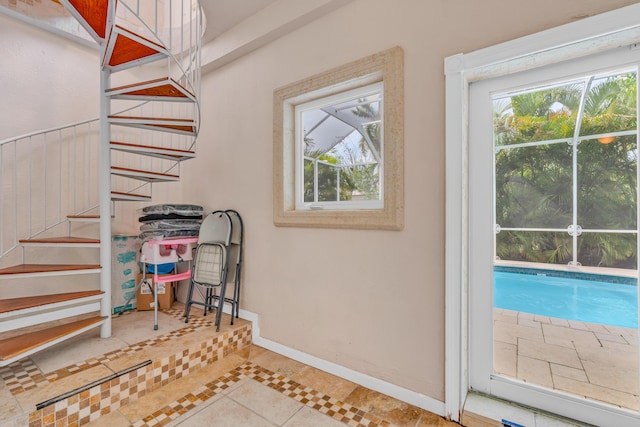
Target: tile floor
596,361
193,377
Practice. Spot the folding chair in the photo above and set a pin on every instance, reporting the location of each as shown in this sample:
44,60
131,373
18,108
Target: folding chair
210,265
234,252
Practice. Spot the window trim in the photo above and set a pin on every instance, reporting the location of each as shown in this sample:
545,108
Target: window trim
386,67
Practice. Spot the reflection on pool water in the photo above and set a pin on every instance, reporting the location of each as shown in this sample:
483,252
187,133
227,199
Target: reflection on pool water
570,298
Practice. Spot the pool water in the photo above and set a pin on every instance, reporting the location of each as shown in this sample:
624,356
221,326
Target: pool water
567,298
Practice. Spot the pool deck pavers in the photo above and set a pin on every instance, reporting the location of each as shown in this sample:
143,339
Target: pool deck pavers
598,362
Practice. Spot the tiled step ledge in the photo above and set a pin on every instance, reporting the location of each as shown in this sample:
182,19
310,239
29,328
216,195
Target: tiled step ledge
24,375
102,399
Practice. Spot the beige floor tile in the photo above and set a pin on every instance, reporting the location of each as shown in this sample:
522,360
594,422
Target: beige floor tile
428,419
534,371
9,407
269,403
28,400
469,419
575,324
151,402
215,370
83,347
594,327
509,333
504,358
133,358
113,419
568,372
541,319
530,323
17,421
324,382
395,411
596,392
606,336
502,317
611,354
223,413
136,326
307,417
275,362
522,316
559,322
548,352
622,378
567,337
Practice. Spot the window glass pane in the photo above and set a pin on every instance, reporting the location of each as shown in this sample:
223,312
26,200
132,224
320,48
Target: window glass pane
607,181
327,182
615,250
610,105
537,115
360,183
308,181
533,186
345,137
534,246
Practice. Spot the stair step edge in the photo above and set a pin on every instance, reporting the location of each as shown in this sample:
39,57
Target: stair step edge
15,348
31,270
23,304
77,242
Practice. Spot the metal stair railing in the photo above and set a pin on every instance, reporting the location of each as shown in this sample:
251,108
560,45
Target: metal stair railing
45,176
176,25
179,32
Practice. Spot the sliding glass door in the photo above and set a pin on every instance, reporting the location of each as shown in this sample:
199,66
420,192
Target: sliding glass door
553,299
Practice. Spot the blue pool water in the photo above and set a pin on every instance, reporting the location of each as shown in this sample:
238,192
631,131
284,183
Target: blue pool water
567,298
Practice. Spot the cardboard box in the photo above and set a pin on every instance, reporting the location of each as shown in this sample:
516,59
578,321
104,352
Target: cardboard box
166,294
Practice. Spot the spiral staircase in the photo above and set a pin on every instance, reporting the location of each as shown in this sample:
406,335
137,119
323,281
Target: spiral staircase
147,128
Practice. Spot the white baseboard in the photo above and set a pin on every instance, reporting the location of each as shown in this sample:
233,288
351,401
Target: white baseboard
397,392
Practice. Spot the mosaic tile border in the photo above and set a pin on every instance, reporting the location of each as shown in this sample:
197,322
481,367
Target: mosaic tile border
334,408
24,375
102,399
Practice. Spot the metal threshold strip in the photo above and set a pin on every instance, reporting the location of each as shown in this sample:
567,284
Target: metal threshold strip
90,385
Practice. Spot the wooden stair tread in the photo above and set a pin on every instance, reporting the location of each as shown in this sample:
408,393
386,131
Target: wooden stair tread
45,268
151,147
152,119
14,304
64,239
94,12
122,196
83,216
13,347
121,193
126,49
143,171
163,87
166,153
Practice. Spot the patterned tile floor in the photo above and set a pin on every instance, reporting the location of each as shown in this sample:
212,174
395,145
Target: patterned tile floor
219,381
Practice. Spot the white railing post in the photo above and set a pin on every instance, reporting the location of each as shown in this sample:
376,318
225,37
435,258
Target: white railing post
105,204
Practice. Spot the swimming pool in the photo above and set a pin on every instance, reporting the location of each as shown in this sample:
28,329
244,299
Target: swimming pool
591,301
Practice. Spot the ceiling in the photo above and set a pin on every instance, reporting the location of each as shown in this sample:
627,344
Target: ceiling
221,15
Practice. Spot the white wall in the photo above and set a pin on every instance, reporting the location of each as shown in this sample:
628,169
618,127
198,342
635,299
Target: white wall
45,79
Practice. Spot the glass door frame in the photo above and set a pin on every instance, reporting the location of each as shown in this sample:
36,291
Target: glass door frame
469,357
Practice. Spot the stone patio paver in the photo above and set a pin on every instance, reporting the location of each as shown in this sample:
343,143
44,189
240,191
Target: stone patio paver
595,361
